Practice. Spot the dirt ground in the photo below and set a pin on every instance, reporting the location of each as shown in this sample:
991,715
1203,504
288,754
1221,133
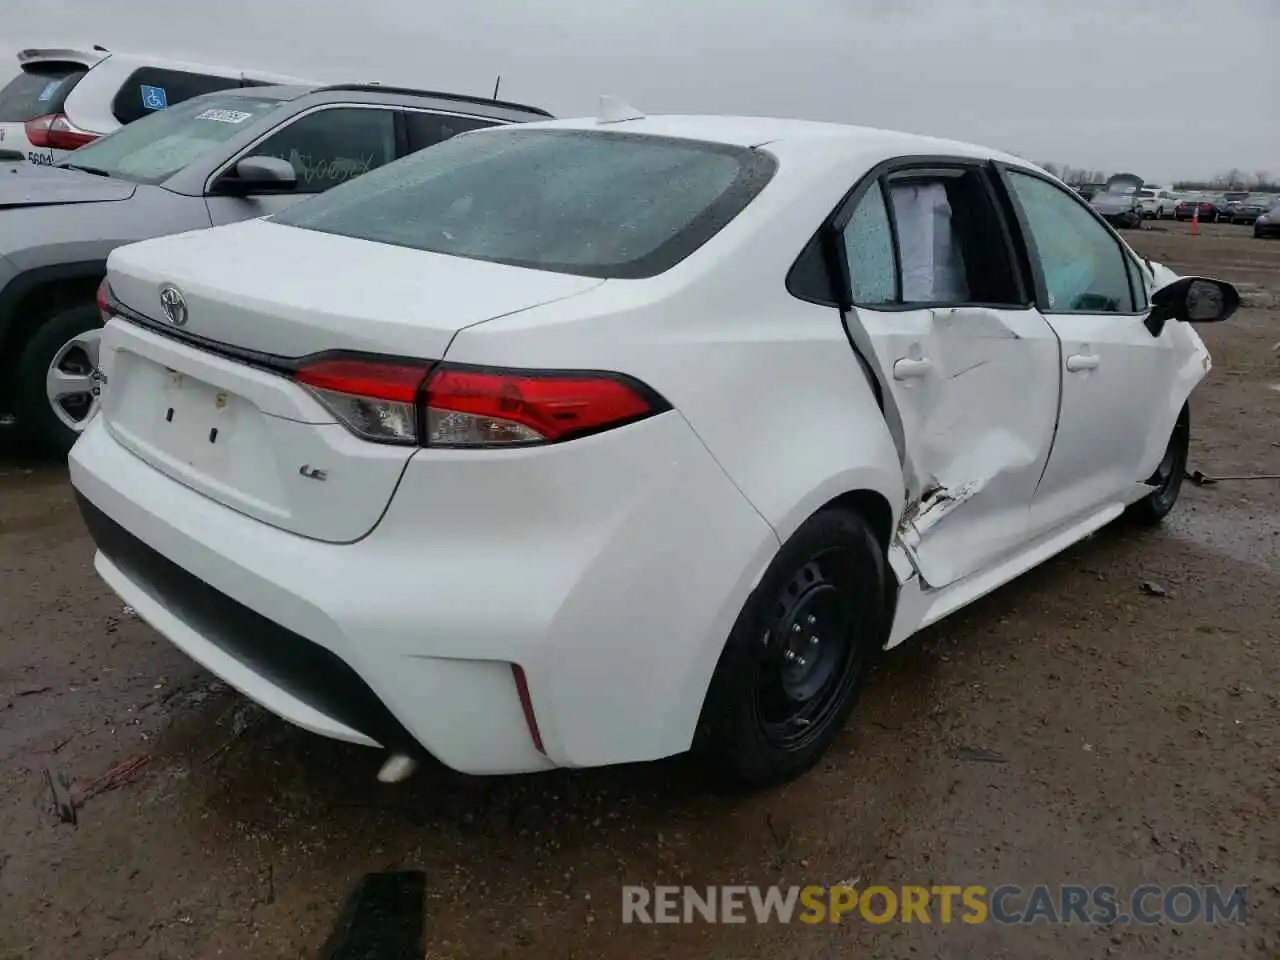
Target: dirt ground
1138,730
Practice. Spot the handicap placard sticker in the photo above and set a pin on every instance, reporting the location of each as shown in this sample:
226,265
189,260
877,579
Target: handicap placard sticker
154,98
49,90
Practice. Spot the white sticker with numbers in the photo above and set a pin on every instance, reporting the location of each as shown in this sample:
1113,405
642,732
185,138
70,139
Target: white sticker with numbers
224,116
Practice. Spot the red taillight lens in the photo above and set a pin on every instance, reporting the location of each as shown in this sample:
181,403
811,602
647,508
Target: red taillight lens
104,300
55,131
375,400
469,407
416,402
526,705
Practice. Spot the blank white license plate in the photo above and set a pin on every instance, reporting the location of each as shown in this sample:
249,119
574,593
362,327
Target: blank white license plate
195,422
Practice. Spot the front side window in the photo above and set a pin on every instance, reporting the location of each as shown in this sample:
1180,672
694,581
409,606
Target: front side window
156,147
333,145
1082,264
584,202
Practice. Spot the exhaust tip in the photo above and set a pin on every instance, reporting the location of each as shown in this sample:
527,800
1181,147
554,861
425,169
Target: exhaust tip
398,767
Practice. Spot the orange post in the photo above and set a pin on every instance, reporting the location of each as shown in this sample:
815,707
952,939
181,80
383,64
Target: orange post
1195,221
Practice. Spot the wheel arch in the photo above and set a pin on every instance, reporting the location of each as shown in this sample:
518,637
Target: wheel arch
38,293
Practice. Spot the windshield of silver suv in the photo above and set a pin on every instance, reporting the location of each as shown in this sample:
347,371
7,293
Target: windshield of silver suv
154,148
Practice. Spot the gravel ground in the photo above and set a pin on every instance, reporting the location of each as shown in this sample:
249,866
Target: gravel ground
1134,731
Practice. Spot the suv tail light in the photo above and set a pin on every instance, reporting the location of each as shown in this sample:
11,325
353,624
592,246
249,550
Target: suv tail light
55,131
446,405
104,300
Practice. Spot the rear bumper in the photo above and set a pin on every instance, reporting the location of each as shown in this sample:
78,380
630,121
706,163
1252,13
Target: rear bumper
609,569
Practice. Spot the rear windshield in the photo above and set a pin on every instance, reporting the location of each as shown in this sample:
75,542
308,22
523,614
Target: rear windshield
40,89
154,148
590,203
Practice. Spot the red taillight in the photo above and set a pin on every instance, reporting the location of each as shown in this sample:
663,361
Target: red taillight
462,406
104,300
526,705
376,400
55,131
469,407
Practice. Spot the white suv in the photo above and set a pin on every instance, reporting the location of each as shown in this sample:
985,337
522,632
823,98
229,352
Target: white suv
1156,204
62,99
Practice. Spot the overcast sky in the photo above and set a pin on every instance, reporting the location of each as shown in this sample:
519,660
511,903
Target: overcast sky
1163,88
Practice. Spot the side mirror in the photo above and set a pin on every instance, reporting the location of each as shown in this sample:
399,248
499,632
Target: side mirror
1192,300
259,175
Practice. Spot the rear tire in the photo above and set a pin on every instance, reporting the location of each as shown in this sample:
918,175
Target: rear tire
67,342
798,655
1167,480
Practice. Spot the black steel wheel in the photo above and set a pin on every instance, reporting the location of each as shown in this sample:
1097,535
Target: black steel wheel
799,653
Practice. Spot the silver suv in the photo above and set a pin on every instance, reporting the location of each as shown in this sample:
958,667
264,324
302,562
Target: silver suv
214,159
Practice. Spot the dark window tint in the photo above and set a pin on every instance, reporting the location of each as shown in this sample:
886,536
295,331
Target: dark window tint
331,146
38,90
590,203
425,129
1082,263
152,88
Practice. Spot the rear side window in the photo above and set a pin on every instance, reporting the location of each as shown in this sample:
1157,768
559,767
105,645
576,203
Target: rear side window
38,90
150,89
590,203
426,129
333,145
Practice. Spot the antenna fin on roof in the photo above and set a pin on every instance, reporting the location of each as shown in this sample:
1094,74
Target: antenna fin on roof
614,110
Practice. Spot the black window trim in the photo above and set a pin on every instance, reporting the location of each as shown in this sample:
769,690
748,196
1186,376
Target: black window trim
1003,170
826,241
221,170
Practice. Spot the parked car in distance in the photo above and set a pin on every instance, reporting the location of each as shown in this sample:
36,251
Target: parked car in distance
1119,207
1156,204
1247,209
1186,210
213,159
1268,224
450,459
62,99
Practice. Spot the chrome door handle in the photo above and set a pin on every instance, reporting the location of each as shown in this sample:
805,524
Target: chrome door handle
1082,361
909,369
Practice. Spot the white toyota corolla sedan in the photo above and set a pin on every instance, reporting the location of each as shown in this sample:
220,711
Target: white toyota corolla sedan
595,441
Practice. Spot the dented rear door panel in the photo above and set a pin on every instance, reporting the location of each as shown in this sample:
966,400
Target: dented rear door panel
972,400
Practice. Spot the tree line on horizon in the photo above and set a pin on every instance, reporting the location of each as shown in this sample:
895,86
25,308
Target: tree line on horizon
1261,181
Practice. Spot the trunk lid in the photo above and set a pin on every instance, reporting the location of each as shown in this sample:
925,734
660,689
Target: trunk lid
253,439
291,292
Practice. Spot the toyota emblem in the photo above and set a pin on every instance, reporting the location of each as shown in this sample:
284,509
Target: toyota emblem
173,304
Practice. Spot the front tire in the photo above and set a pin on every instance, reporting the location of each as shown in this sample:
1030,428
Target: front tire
1167,480
798,654
57,394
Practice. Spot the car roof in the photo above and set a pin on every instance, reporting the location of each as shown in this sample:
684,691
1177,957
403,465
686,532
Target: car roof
405,96
810,136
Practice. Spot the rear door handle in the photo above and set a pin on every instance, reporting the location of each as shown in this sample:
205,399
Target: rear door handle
909,369
1082,361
